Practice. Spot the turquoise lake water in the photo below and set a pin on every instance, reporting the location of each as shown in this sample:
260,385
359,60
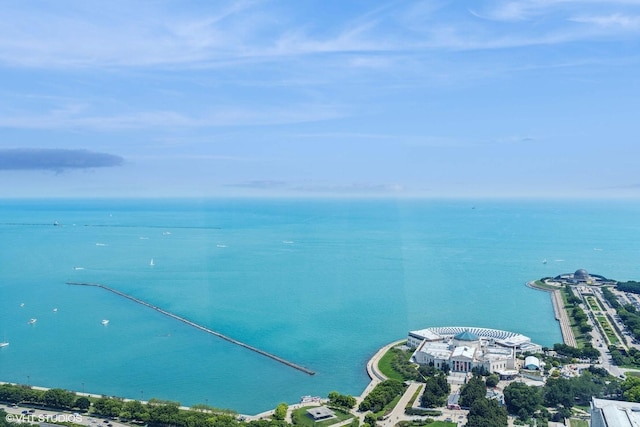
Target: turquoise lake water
323,283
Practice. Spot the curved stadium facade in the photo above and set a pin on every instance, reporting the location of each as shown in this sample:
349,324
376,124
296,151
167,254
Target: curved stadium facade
462,348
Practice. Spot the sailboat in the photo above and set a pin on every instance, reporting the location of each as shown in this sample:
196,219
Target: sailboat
151,263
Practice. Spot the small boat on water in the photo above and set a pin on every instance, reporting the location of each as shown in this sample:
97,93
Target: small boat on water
151,263
55,310
32,321
105,322
4,344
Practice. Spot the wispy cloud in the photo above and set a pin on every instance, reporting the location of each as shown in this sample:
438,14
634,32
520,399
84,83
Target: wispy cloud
160,34
55,159
229,116
613,21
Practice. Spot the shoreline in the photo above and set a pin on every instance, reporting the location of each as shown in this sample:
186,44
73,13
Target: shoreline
560,313
373,372
371,366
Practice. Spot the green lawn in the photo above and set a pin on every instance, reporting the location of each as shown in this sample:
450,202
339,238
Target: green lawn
578,423
593,304
305,420
611,335
384,365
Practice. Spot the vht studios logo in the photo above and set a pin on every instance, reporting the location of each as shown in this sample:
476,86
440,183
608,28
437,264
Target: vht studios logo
44,418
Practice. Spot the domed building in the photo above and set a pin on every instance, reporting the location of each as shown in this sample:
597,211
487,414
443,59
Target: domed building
464,349
582,277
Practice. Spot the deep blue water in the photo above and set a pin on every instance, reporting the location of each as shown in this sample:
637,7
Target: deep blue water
323,283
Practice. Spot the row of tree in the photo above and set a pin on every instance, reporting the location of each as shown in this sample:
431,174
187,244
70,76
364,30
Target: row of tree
586,352
154,413
381,395
342,400
53,398
630,286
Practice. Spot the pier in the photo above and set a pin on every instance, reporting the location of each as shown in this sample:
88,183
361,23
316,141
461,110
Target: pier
200,327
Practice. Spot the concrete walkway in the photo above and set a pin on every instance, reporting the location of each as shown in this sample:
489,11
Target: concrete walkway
561,316
398,411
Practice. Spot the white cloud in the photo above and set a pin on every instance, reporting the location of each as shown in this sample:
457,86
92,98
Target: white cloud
616,20
230,116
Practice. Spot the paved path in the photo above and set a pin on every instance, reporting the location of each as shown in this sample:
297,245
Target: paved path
561,316
398,411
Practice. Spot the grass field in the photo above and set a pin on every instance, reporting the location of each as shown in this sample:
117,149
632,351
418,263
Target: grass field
578,423
302,419
611,335
384,365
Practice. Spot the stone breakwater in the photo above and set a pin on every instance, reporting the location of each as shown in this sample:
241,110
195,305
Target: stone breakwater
200,327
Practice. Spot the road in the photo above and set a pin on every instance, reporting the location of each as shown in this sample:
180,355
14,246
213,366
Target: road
15,414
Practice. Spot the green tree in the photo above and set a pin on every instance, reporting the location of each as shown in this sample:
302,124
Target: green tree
486,413
82,403
381,395
59,398
341,400
134,410
436,390
492,380
164,413
5,423
107,407
471,391
631,389
11,393
370,420
281,411
558,391
522,400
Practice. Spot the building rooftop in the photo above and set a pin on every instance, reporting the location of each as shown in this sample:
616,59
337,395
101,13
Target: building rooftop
614,413
466,336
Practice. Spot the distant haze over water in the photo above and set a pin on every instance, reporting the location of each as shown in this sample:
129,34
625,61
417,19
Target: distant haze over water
323,283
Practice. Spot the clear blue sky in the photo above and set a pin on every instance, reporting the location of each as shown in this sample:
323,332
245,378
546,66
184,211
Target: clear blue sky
432,98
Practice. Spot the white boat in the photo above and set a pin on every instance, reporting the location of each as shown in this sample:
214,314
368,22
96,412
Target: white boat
32,321
4,344
105,322
544,261
55,310
151,263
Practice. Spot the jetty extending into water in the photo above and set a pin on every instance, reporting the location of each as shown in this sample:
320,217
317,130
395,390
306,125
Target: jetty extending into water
197,326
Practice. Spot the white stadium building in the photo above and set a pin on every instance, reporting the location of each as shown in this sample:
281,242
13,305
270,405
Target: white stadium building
465,348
